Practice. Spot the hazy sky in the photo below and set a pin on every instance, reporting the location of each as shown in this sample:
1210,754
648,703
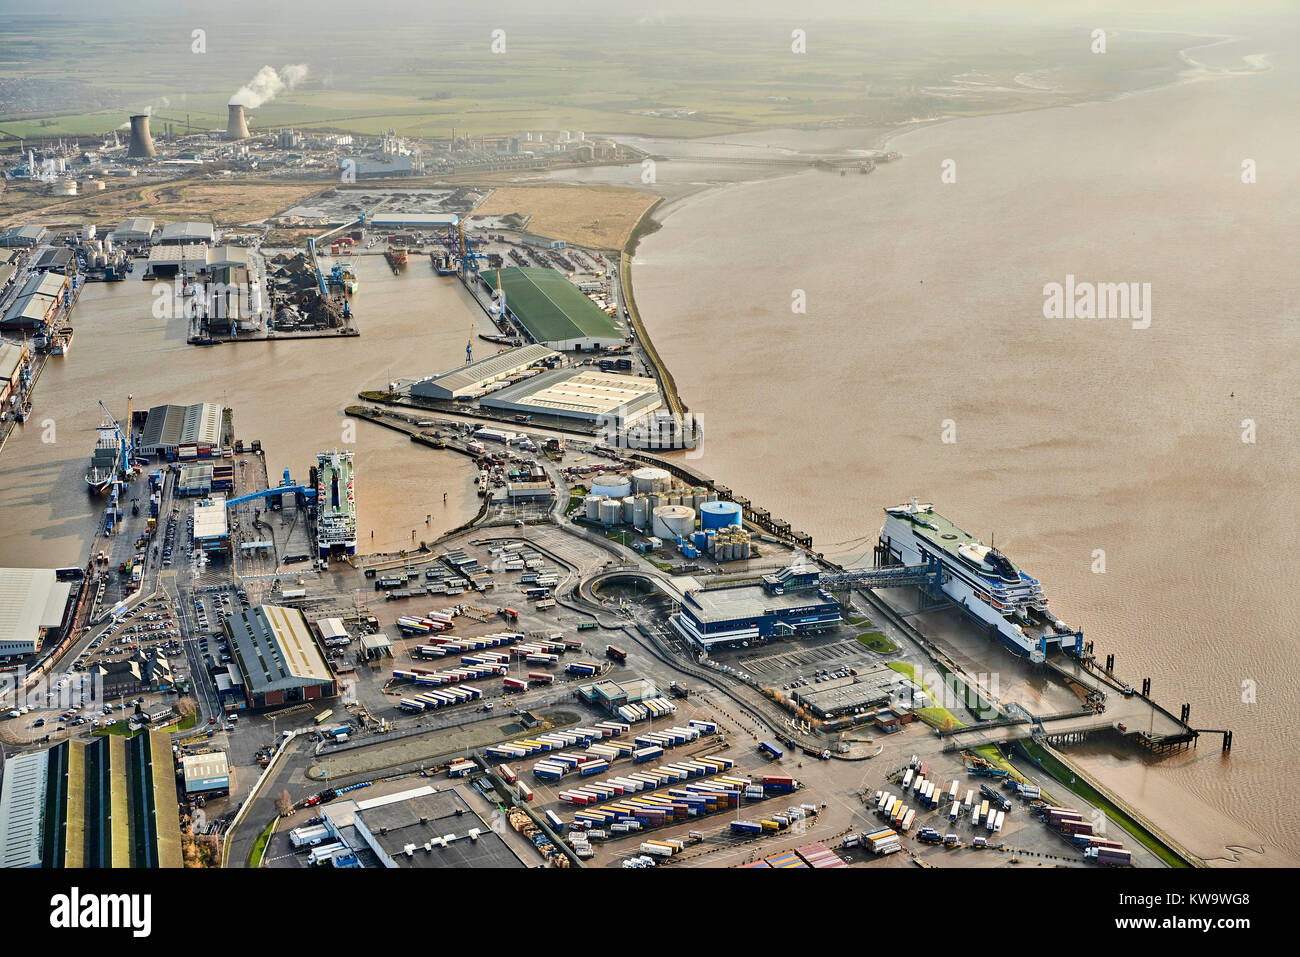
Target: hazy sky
369,13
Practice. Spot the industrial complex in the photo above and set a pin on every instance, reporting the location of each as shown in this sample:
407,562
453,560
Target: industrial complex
477,602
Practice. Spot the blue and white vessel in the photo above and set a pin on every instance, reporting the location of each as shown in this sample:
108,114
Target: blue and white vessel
979,578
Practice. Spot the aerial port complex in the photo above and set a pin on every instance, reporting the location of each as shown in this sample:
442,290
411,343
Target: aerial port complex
614,661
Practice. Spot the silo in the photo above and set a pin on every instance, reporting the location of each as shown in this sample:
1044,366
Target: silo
698,498
611,485
640,512
720,515
744,550
712,496
674,521
629,510
650,479
610,511
654,500
591,507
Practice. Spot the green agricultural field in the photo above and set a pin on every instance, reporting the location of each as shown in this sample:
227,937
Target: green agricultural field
612,73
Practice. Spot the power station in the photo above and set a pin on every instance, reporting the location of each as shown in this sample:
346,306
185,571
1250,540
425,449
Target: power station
141,142
236,126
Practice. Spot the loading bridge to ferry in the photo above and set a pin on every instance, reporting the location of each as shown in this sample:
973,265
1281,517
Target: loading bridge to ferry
928,575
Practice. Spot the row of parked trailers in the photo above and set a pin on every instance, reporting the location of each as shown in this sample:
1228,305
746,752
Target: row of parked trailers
1070,824
558,740
648,709
647,810
894,811
441,698
440,647
650,779
776,822
449,676
411,626
816,855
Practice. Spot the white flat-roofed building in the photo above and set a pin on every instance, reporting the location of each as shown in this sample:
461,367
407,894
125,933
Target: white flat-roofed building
32,602
211,525
581,393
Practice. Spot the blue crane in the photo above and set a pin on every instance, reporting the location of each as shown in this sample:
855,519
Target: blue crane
302,494
124,452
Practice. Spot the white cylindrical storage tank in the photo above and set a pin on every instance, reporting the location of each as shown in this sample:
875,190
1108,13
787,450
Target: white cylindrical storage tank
591,507
720,515
612,486
674,521
744,550
640,512
610,511
651,479
629,510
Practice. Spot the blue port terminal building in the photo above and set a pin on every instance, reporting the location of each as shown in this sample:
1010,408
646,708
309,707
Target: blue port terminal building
731,616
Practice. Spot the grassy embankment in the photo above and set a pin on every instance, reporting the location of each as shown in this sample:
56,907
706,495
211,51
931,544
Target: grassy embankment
936,716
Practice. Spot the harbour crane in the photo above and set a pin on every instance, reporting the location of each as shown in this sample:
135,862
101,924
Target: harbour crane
466,253
302,493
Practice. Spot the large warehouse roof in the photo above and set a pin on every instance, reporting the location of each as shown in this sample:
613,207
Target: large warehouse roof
481,373
36,300
91,804
580,392
186,233
171,425
553,310
22,807
276,650
134,229
32,235
412,220
31,599
11,357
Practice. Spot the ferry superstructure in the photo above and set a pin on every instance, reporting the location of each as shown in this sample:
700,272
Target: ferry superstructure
980,578
336,505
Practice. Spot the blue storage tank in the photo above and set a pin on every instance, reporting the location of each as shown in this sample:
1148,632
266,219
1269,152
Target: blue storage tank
717,515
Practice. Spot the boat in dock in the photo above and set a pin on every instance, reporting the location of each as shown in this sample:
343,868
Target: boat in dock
110,461
60,343
978,577
336,505
396,256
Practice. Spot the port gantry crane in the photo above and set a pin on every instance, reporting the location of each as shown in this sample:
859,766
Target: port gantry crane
302,494
465,252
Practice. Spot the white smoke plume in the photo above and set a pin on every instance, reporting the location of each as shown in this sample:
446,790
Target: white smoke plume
267,84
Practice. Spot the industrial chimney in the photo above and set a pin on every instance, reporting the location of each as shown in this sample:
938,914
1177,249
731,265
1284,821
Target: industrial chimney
141,141
236,128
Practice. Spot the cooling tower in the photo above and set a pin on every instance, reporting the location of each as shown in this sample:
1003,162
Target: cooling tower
141,141
236,128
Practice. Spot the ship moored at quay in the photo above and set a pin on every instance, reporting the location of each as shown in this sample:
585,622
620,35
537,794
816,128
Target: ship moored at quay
980,578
